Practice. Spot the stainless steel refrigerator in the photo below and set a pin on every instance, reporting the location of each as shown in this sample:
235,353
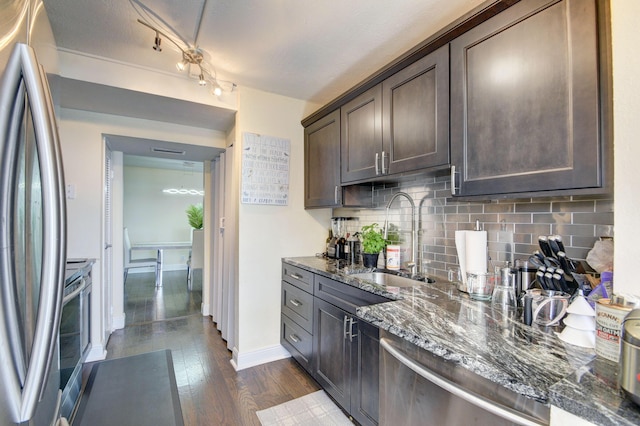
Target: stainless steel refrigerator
32,228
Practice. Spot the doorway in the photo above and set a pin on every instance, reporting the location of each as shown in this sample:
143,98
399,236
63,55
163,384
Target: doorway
125,151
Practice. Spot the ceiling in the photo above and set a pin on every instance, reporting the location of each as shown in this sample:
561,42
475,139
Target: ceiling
312,50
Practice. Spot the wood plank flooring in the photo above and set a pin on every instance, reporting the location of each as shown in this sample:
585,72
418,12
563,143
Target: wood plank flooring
211,391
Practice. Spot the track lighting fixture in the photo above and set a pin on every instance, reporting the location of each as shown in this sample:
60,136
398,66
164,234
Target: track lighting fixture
191,57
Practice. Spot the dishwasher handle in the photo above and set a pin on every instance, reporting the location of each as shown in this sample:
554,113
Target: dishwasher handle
454,389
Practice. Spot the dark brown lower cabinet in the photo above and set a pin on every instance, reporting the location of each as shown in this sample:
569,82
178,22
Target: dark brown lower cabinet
346,360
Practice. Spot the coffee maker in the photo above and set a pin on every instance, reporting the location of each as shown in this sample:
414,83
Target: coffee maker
334,248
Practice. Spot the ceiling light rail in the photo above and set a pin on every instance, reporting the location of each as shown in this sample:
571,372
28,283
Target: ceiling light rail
192,56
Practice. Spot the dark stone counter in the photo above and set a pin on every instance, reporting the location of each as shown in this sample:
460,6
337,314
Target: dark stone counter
529,360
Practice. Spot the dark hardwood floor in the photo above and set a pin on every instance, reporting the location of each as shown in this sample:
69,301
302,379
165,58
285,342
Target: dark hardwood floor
211,391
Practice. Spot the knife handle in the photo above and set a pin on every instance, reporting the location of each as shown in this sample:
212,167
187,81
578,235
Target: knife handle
541,280
558,240
555,247
543,242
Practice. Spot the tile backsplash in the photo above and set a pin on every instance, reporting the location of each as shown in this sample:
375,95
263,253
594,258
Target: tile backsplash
513,225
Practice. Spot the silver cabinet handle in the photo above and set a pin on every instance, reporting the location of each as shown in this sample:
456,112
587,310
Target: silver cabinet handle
384,168
335,194
377,166
345,321
449,386
296,276
351,324
454,188
23,73
295,338
295,302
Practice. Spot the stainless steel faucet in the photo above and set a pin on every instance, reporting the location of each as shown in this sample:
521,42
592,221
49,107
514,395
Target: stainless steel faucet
413,264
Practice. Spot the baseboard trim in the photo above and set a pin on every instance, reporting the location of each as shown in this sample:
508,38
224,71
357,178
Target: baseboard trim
240,361
205,309
118,321
96,353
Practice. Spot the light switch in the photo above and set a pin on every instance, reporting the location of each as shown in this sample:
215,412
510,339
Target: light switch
71,191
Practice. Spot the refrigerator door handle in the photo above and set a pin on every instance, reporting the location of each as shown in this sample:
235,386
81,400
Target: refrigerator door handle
25,392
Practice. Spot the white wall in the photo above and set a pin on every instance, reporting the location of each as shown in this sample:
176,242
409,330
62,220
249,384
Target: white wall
83,158
153,216
626,109
268,233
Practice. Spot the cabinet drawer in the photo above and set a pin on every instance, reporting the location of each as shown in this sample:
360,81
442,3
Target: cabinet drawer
299,277
297,305
297,341
343,295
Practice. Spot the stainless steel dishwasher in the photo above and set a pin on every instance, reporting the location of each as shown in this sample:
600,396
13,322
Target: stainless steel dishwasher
419,388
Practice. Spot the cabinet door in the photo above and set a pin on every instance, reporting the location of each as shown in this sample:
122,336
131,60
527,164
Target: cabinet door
361,136
322,162
416,115
365,368
524,100
332,351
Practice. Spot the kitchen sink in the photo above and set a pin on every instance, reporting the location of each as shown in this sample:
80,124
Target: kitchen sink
389,280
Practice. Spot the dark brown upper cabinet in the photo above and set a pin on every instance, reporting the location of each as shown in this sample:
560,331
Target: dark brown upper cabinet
322,163
361,136
415,115
400,125
525,101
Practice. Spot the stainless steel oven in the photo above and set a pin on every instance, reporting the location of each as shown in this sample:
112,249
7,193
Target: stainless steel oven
74,337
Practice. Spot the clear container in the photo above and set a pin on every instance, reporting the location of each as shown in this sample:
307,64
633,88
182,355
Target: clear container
504,299
480,285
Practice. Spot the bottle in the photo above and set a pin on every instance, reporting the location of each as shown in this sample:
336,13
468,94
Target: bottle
340,254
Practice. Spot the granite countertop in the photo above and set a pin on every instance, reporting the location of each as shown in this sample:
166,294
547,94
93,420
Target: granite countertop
529,360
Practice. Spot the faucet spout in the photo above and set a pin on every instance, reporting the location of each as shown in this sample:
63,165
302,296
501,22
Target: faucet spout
413,264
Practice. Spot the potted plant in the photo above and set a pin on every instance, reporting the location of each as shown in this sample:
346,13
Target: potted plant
195,215
372,244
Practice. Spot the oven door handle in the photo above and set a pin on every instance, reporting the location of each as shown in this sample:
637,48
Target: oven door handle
454,389
70,296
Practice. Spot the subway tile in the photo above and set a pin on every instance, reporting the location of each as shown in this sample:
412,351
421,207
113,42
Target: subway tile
570,230
533,207
583,242
499,208
515,217
522,238
593,197
573,206
458,218
534,229
604,206
593,218
557,218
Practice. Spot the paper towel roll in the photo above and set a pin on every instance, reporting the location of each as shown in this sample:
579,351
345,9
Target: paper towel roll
476,251
461,247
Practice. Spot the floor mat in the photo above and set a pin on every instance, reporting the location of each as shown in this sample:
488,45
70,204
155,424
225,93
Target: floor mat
135,390
313,409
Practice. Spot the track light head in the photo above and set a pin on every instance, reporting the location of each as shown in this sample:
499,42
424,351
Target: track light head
157,41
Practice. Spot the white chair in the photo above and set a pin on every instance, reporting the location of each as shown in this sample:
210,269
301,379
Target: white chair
138,263
196,257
